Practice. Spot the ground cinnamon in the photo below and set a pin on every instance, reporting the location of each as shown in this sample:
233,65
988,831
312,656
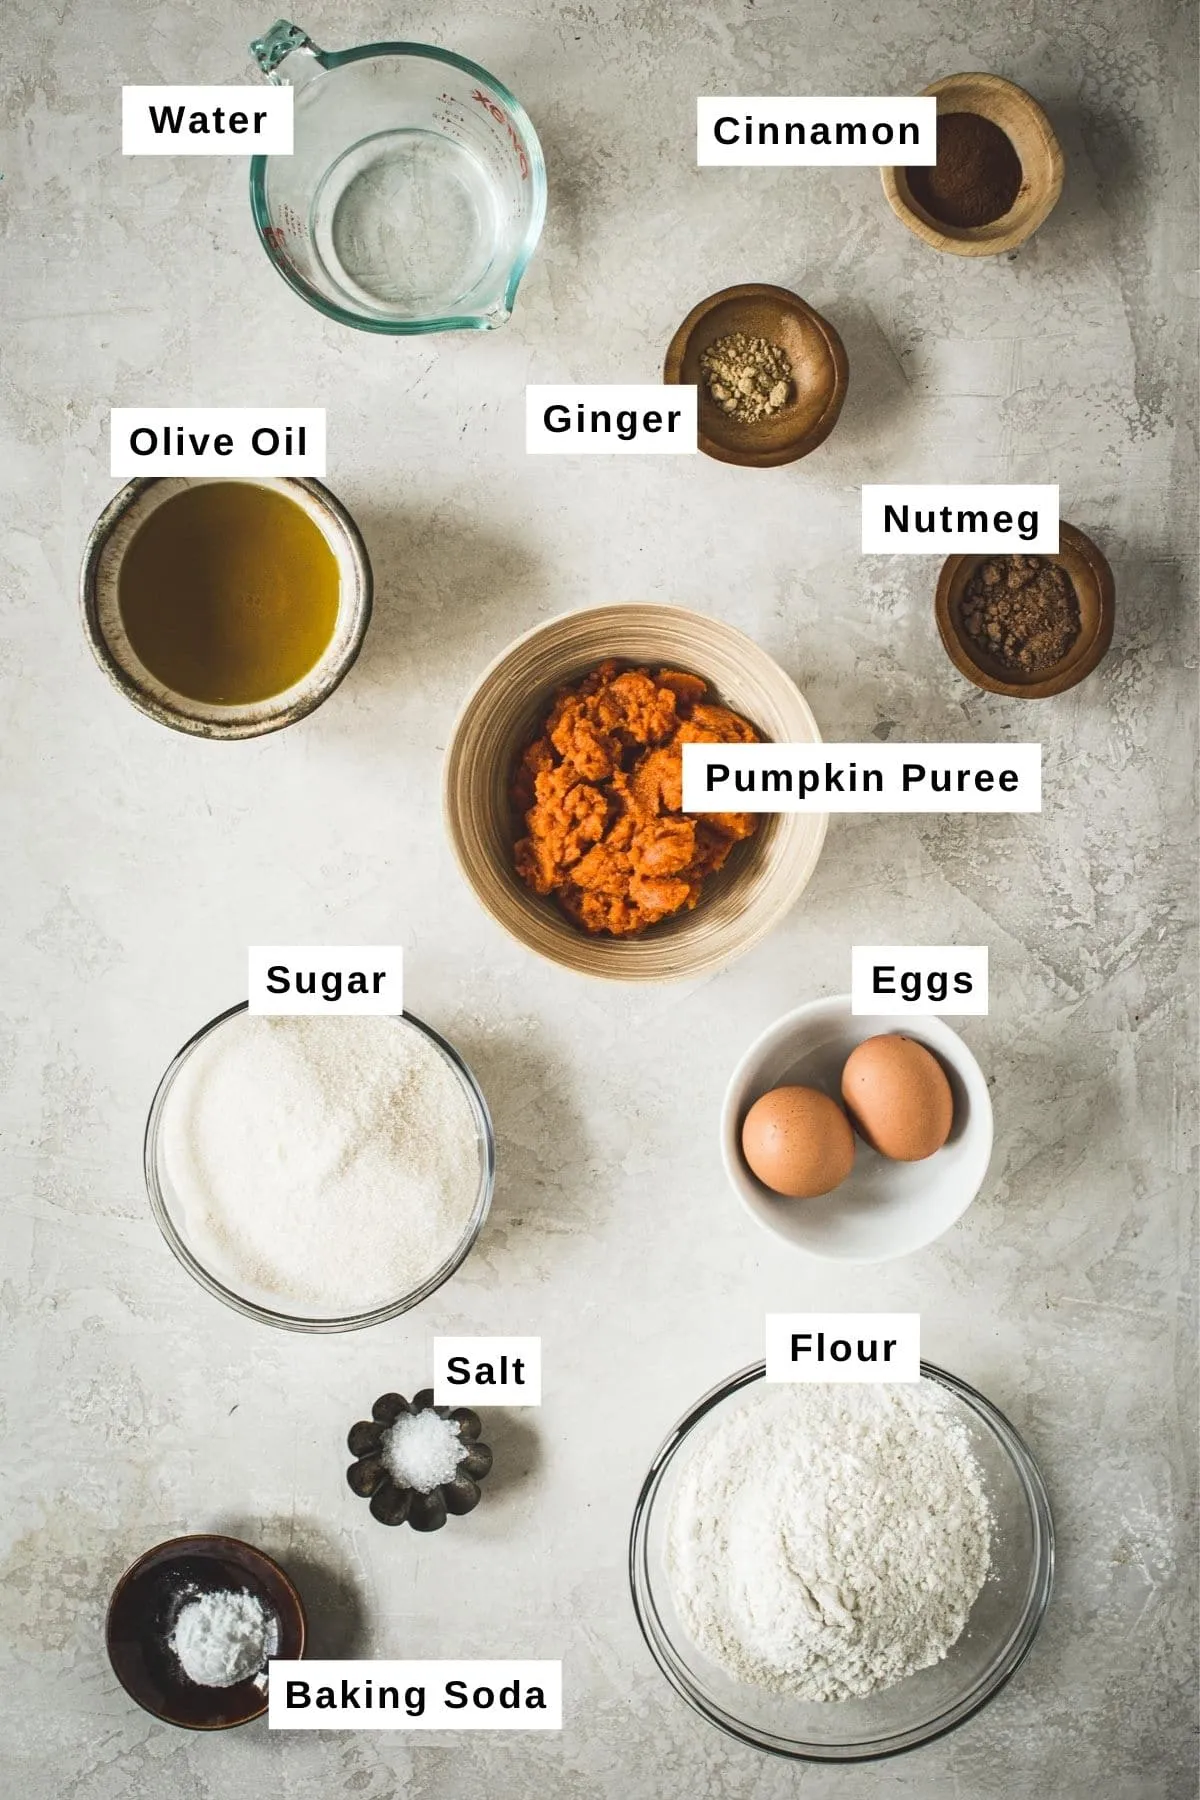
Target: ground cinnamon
977,175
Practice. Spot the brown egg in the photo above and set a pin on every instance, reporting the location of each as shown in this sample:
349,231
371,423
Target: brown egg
798,1142
898,1096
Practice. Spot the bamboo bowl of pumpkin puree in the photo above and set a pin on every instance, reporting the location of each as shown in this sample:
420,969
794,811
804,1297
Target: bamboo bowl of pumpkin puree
226,608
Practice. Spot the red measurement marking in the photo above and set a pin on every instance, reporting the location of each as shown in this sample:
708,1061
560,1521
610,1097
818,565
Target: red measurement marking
502,118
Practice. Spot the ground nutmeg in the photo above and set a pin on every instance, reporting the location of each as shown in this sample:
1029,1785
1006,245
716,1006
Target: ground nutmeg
1022,610
977,175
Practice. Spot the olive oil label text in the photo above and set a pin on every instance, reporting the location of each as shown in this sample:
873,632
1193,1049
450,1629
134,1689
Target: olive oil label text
217,440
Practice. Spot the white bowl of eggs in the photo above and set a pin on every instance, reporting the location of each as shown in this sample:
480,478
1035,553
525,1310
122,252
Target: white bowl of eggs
856,1138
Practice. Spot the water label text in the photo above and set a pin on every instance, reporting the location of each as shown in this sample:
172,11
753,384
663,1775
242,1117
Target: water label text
206,121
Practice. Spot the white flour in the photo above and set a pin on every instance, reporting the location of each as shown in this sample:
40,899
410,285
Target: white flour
326,1165
825,1541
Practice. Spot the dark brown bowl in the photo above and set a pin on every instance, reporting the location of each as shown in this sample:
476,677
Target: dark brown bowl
1092,579
820,373
143,1609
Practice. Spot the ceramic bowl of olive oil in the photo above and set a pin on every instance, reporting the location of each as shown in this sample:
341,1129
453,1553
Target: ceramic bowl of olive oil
226,608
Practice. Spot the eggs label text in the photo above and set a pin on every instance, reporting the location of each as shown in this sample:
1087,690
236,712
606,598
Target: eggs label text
206,121
636,419
919,979
415,1696
910,520
493,1370
775,131
819,778
843,1346
217,440
295,979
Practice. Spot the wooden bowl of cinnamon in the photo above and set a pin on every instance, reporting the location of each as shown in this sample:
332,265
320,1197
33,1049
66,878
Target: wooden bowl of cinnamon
998,175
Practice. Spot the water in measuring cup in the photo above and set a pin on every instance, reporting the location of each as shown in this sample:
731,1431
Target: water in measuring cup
406,223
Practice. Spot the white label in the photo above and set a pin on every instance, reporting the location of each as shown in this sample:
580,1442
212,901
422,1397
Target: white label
637,419
295,979
206,121
467,1370
777,131
920,979
414,1696
901,520
852,778
843,1347
217,440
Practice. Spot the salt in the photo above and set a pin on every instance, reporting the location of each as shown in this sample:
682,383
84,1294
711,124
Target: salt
224,1637
422,1451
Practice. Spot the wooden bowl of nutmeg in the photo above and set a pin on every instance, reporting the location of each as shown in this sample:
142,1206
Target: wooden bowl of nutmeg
1027,626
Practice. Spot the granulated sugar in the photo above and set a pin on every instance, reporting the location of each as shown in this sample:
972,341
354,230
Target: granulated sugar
324,1166
828,1540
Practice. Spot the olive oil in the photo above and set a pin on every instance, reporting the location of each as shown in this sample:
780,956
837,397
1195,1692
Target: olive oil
229,593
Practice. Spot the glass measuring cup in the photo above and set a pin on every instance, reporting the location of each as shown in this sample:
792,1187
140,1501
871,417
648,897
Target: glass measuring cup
415,193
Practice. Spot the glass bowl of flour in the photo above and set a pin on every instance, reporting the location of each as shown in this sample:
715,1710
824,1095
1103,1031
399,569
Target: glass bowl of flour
319,1174
840,1571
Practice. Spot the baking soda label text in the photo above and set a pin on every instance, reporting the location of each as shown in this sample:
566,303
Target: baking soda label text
843,1347
206,121
819,778
927,521
217,440
637,419
414,1696
777,131
487,1370
303,979
920,979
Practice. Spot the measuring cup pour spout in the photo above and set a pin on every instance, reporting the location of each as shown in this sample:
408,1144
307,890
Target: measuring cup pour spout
285,43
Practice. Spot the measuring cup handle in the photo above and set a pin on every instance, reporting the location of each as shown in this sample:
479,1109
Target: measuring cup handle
274,47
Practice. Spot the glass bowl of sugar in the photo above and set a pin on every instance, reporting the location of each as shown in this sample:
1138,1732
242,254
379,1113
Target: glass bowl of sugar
837,1572
319,1174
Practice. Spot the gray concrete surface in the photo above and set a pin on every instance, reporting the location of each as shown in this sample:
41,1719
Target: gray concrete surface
138,866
